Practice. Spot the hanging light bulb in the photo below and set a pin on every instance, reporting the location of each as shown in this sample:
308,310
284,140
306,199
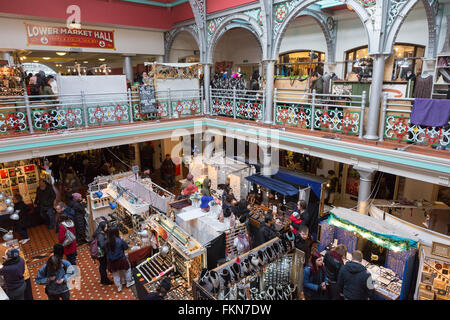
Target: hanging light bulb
8,236
276,196
259,190
15,215
284,200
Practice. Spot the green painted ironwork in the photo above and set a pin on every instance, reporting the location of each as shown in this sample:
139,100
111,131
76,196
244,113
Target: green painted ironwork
399,128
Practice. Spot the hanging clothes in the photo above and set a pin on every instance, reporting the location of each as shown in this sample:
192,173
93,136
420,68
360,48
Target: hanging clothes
423,87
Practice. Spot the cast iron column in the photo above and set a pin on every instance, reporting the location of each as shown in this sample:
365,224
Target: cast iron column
375,97
268,108
365,185
206,84
128,69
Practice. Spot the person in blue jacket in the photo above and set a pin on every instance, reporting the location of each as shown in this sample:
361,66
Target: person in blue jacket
315,280
55,275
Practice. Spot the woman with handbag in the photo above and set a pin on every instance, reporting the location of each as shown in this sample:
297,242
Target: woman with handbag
66,237
117,261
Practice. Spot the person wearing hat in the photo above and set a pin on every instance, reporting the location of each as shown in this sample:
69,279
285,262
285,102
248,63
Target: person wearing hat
161,291
204,205
12,270
189,190
266,231
296,220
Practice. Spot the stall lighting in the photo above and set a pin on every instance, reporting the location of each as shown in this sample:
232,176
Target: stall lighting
36,61
391,244
101,59
61,53
85,61
46,58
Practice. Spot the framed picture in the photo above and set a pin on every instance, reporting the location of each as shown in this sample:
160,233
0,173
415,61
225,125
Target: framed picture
427,278
440,249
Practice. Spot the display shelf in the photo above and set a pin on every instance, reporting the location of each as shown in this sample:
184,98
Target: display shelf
444,69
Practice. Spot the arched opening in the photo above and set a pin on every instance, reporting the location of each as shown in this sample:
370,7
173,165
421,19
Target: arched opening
303,49
184,48
238,51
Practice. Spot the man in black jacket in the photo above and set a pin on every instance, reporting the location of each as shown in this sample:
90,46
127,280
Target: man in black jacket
161,291
45,197
266,232
354,281
333,262
303,242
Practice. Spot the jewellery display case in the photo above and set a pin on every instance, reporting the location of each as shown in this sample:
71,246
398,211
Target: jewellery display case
187,255
433,280
271,271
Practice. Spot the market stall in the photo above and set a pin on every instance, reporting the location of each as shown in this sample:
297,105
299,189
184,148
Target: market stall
218,168
126,201
389,254
271,271
433,280
180,257
217,235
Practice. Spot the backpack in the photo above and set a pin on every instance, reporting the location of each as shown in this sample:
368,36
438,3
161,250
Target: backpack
69,238
95,250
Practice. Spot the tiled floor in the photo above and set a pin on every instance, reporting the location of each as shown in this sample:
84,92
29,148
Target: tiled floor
39,249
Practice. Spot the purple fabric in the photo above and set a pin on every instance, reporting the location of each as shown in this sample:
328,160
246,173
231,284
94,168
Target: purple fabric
430,112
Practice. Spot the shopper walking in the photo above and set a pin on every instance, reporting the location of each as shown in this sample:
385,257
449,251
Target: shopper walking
62,208
354,281
70,248
117,262
24,218
55,275
101,237
76,203
303,241
315,280
45,197
333,261
168,172
12,270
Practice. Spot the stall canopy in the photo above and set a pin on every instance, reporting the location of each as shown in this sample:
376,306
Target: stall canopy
425,236
273,184
378,231
300,179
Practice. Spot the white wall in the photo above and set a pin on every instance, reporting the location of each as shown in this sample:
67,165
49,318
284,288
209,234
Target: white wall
415,28
184,45
303,33
13,36
238,45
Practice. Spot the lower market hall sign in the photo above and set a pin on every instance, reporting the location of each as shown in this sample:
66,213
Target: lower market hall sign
64,37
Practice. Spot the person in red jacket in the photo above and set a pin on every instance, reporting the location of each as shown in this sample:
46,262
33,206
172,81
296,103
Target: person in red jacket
295,221
70,250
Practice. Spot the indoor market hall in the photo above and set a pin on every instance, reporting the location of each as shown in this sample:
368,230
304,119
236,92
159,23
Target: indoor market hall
246,154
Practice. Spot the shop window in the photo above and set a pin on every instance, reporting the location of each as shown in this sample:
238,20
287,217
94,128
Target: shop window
300,63
407,60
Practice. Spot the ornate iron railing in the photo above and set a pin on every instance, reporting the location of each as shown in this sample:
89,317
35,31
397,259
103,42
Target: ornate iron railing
238,104
59,112
320,111
396,125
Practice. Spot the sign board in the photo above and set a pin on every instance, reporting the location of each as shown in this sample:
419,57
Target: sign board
147,99
395,90
45,35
